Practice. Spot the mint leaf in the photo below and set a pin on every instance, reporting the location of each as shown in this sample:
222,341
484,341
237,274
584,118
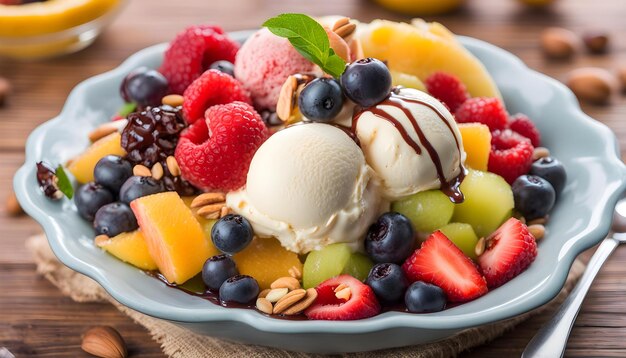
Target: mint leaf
309,38
65,186
127,109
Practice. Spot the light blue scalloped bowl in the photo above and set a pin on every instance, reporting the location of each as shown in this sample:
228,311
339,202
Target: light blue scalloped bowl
588,149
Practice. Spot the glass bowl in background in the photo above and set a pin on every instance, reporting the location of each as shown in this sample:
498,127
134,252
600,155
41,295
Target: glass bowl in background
52,28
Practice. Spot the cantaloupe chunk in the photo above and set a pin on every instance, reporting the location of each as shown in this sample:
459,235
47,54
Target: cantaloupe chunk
266,260
129,247
477,144
423,48
175,239
82,166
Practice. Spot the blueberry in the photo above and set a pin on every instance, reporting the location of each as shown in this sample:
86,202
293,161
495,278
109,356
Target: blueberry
424,297
551,170
534,196
218,269
223,66
231,234
112,171
144,86
390,238
114,219
388,282
91,197
367,82
321,100
138,186
240,289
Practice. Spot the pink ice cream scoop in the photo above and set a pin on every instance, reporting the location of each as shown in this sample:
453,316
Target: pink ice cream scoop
263,64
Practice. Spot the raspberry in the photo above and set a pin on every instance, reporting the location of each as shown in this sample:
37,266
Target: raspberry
521,124
511,154
213,87
215,154
192,52
447,88
488,111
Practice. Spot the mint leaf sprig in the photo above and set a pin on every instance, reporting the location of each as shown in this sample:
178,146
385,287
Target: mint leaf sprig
309,38
64,184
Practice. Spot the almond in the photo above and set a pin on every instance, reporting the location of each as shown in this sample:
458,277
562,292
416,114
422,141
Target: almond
288,300
172,166
288,282
559,43
206,199
308,300
596,41
592,84
105,342
13,207
286,102
211,211
537,231
173,100
540,152
157,171
142,171
480,246
263,305
621,76
276,294
5,90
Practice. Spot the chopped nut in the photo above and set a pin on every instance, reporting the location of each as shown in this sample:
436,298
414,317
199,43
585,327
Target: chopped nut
288,282
106,129
540,152
276,294
480,246
206,199
105,342
295,273
172,166
13,207
539,221
264,293
173,100
286,102
264,305
345,294
211,211
288,300
224,211
537,231
311,296
141,171
157,171
344,28
340,287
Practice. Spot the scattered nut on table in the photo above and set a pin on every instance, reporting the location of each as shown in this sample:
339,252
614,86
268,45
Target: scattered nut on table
105,342
592,84
559,43
13,207
5,90
596,41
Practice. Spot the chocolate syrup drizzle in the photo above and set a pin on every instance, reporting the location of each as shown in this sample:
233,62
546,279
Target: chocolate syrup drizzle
395,99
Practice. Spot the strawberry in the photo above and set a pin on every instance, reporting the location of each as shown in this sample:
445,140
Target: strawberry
511,155
215,154
192,52
510,250
521,124
443,264
213,87
447,88
361,304
488,111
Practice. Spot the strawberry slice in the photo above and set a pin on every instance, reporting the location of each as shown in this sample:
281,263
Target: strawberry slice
442,263
362,302
510,250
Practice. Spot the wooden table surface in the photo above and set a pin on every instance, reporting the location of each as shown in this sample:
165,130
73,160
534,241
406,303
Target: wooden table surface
36,320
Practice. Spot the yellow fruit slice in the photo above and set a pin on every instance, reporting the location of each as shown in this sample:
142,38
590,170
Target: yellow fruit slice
175,239
423,48
50,16
82,166
406,80
421,7
477,144
266,260
129,247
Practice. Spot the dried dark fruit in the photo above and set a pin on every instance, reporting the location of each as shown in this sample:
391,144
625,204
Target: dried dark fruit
151,136
47,180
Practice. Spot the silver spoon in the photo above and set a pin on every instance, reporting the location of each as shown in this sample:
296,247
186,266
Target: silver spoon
551,339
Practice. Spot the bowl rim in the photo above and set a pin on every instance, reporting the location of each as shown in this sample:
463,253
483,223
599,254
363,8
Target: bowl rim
594,232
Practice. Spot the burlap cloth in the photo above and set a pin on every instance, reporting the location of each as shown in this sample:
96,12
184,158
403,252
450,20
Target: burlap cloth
179,342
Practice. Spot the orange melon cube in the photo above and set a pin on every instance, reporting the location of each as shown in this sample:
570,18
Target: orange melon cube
129,247
477,144
82,167
176,241
266,260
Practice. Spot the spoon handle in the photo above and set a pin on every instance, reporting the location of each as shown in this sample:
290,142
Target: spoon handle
551,339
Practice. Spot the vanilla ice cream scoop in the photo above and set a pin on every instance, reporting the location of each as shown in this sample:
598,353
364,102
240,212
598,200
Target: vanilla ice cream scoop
413,143
309,186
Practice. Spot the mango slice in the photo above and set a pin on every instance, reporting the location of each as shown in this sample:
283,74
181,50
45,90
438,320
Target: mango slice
477,144
82,167
129,247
